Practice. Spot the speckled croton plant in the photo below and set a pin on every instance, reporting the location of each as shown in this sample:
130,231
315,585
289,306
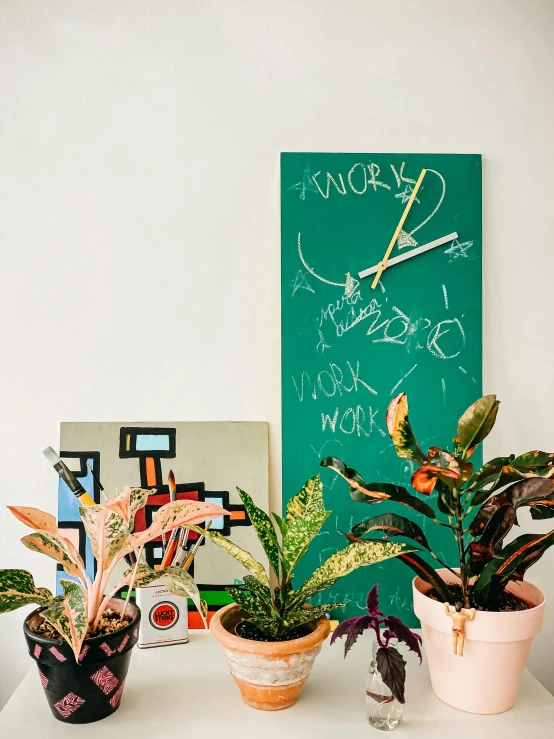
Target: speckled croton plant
276,611
109,528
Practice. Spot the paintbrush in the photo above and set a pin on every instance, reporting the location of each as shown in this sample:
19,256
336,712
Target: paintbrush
68,477
181,555
174,538
195,548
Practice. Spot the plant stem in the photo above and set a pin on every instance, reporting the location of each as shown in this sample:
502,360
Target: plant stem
459,534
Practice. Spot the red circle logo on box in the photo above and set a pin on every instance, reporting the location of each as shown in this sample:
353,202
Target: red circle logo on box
164,615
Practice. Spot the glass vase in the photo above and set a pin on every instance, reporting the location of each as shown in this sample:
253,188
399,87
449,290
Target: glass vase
382,709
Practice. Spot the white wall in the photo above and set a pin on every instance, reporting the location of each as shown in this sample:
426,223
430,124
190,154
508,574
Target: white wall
139,204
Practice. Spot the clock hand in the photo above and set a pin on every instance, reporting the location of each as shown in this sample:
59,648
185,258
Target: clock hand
412,253
383,263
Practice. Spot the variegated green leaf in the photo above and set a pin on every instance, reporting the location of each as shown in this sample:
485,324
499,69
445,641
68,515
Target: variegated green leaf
535,463
304,615
58,548
68,614
17,589
300,533
249,603
307,502
477,421
357,554
144,575
263,592
241,555
400,430
106,530
127,502
281,523
264,530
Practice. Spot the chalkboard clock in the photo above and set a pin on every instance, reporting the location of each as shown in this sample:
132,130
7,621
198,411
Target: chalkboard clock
380,293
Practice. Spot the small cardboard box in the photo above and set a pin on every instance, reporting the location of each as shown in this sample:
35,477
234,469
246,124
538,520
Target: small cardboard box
164,617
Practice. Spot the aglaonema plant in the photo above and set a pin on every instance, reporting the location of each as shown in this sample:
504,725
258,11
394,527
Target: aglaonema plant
389,631
109,527
278,611
479,507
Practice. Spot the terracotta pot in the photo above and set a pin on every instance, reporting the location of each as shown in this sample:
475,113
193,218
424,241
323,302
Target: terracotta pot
270,675
486,679
91,689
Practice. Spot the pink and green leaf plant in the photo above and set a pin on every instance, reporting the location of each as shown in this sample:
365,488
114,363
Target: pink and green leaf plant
109,527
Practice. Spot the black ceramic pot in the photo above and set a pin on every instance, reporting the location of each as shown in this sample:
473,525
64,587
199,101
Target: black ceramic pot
91,689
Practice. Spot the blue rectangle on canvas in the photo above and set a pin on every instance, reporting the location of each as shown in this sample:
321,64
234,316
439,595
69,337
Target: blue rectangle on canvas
219,522
152,443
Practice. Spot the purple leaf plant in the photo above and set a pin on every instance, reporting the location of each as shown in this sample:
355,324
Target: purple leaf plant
390,662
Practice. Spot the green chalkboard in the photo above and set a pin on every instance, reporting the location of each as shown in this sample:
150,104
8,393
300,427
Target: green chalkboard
348,349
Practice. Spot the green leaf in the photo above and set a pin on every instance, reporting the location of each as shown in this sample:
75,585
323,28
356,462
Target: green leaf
17,589
241,555
391,525
488,474
535,463
376,492
400,430
256,587
57,548
144,575
357,554
281,523
68,614
477,422
305,615
264,530
307,503
300,534
249,603
428,574
392,668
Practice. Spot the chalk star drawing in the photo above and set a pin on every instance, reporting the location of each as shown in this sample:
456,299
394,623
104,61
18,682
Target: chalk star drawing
305,185
350,284
322,343
458,250
301,283
404,196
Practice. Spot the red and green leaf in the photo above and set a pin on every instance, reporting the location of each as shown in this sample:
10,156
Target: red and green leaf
60,549
425,478
68,614
400,430
427,573
391,525
477,422
17,589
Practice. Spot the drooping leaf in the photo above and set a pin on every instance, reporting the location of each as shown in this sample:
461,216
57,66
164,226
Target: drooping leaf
391,525
543,510
376,492
68,614
425,478
17,589
300,534
179,582
256,587
305,615
400,430
520,493
241,555
428,574
372,602
264,530
477,422
307,502
507,561
357,554
535,462
352,628
35,519
392,668
58,548
402,633
178,513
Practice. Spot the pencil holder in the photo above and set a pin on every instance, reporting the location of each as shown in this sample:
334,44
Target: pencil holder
165,617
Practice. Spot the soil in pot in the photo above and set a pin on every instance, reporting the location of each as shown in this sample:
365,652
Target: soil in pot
505,603
248,630
91,688
108,624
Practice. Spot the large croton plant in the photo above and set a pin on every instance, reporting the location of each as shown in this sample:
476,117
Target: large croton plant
109,528
277,611
479,507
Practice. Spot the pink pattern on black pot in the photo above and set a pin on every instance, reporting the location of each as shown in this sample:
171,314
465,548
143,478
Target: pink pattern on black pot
105,679
68,705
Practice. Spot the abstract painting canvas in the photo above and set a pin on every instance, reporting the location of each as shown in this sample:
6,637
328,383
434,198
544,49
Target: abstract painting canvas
209,461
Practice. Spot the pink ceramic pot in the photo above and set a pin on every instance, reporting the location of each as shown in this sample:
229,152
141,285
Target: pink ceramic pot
486,679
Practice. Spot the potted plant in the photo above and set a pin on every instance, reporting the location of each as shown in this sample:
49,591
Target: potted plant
386,678
271,635
479,507
82,640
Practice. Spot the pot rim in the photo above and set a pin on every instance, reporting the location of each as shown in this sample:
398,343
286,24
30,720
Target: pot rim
417,579
272,648
90,639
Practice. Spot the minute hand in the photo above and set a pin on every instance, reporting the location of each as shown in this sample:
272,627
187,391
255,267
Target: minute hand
409,254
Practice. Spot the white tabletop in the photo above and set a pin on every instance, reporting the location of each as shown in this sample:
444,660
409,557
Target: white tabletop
186,690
